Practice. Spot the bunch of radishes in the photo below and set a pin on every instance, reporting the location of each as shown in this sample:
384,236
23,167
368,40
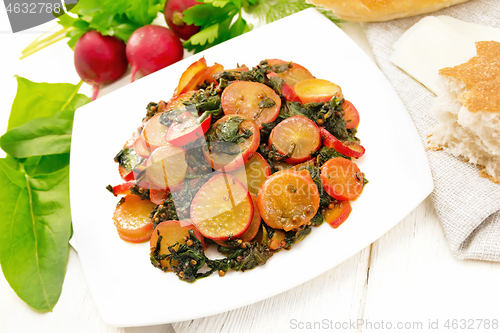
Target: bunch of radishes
102,59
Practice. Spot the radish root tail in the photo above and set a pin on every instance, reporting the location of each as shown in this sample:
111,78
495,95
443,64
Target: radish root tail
96,92
134,71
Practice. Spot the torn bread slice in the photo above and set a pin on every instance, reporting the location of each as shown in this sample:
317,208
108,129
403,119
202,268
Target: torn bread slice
468,110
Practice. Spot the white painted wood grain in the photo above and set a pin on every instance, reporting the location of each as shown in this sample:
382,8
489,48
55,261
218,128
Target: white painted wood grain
414,277
335,295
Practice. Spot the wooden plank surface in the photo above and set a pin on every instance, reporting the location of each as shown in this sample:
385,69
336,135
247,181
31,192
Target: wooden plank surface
337,294
414,277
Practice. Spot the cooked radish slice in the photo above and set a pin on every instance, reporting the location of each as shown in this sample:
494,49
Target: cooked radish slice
288,199
226,156
242,68
211,71
192,76
347,148
157,196
278,240
141,148
254,173
132,219
154,133
252,230
338,213
286,90
177,101
173,234
166,167
253,100
289,93
293,75
130,142
192,128
351,115
297,135
317,90
222,209
341,179
124,188
125,174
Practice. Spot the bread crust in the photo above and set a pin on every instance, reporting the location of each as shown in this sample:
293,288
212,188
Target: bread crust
481,76
382,10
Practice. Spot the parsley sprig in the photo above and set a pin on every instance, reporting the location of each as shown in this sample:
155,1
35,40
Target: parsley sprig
221,20
217,21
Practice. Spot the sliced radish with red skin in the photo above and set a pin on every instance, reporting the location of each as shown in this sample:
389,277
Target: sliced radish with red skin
341,179
166,167
243,98
192,128
278,240
141,148
286,90
317,90
191,77
293,75
227,162
130,142
337,215
288,199
347,148
351,115
157,196
177,101
125,174
124,188
297,133
289,93
252,230
173,234
242,68
253,173
222,209
211,71
132,219
141,239
154,133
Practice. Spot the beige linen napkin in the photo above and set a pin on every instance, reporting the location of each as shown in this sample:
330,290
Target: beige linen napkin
467,205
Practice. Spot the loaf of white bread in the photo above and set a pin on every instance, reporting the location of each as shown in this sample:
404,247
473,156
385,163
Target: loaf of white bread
468,110
382,10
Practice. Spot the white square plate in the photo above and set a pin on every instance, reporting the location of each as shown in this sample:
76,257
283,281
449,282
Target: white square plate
129,291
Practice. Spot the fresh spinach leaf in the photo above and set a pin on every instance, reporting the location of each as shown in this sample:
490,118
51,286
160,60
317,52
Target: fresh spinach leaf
34,233
38,100
34,201
40,136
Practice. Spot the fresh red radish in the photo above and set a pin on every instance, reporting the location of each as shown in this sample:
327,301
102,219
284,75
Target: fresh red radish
151,48
173,15
99,59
